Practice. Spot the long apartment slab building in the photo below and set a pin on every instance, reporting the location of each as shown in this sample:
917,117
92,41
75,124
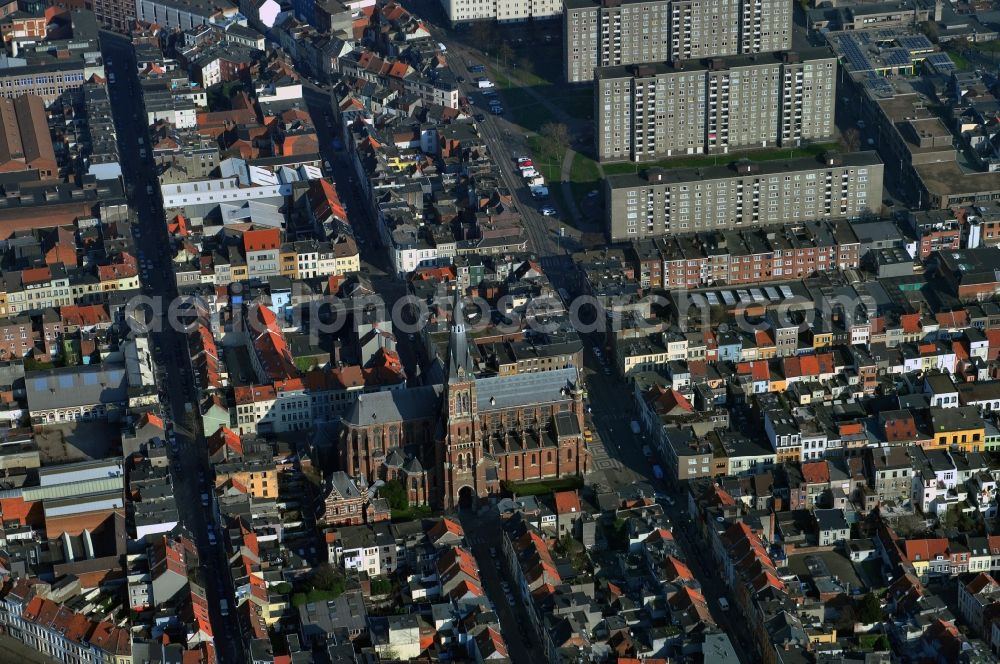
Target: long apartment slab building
645,112
607,33
503,11
660,203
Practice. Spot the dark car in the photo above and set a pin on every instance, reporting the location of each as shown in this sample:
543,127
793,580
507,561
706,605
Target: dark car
480,117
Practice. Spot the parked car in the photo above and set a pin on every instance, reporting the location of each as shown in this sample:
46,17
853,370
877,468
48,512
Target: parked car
480,117
548,211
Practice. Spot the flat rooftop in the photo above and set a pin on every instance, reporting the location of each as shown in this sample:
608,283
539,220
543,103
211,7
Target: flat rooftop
947,178
76,441
719,63
658,176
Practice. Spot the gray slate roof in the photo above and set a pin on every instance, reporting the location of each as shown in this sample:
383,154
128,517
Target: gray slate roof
499,392
76,386
395,405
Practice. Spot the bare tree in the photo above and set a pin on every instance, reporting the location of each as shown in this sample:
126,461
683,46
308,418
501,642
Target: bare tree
505,54
852,139
482,34
555,139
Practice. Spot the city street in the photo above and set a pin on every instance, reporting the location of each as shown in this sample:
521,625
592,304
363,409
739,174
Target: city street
484,533
169,345
375,260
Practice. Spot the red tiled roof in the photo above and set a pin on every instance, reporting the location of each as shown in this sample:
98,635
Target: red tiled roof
567,502
443,527
270,345
36,275
816,472
981,581
953,319
675,569
227,438
86,315
925,549
245,394
262,240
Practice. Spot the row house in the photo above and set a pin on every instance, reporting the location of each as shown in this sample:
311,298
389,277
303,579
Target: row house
977,599
753,256
35,289
281,407
56,631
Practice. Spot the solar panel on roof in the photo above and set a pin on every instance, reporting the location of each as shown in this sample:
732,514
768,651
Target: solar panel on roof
758,295
744,295
941,62
728,297
786,291
914,42
712,298
897,57
856,59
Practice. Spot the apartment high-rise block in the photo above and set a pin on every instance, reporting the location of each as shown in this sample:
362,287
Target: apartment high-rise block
649,111
116,14
606,33
745,194
504,11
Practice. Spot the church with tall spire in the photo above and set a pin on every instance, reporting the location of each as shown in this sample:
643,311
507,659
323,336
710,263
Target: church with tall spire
471,434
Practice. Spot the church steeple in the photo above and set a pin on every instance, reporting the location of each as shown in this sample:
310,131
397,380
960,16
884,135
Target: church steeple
459,361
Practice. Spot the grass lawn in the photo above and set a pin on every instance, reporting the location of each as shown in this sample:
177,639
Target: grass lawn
411,513
545,79
543,487
722,159
960,60
584,174
550,170
988,47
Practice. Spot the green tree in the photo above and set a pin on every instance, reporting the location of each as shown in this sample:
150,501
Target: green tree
870,609
395,494
381,586
325,577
